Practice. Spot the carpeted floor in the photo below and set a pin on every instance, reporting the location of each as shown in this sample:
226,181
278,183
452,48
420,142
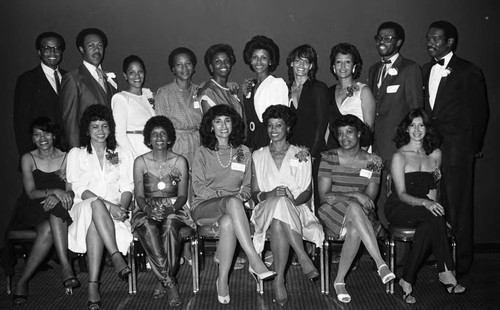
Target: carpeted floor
483,283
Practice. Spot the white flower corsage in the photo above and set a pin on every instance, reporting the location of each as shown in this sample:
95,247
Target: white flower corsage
149,95
446,72
374,164
109,77
302,154
392,71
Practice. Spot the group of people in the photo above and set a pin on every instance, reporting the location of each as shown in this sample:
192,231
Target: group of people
306,158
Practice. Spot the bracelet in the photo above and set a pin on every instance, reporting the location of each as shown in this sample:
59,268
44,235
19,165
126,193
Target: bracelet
46,192
258,196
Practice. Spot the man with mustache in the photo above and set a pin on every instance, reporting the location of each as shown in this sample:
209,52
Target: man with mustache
86,85
396,83
455,96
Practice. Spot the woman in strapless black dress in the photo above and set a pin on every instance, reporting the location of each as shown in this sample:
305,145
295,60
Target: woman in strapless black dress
44,205
413,201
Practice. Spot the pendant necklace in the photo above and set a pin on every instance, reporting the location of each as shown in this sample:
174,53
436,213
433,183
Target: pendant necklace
160,166
230,158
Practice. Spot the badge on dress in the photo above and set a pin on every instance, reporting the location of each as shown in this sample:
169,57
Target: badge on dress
365,173
197,104
238,167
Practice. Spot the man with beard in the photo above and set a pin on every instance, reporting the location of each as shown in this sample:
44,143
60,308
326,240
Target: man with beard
396,83
86,85
455,96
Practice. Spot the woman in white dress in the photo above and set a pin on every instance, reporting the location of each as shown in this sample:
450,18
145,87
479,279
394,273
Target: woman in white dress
100,174
282,189
132,107
351,97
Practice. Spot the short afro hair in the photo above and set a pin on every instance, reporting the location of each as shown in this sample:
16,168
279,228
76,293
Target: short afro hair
45,35
347,49
159,121
366,137
80,38
280,112
262,43
178,51
219,48
130,59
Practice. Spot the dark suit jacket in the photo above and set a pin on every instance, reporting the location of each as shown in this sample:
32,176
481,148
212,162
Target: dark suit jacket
312,117
392,105
80,90
33,97
460,111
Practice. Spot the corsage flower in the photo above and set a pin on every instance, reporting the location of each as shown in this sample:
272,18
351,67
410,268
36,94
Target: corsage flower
249,84
149,95
392,71
61,173
112,157
241,156
109,77
302,154
233,88
446,72
175,175
374,164
436,174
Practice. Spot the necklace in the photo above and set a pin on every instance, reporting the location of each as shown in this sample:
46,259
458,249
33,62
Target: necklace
160,167
349,90
187,89
230,158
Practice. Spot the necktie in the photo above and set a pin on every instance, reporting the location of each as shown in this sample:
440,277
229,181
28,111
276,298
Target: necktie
381,75
58,81
439,62
100,74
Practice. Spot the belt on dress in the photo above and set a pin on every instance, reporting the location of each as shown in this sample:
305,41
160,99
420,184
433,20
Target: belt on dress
139,132
188,130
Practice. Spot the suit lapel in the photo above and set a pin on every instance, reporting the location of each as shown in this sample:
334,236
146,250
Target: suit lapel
44,83
93,85
442,85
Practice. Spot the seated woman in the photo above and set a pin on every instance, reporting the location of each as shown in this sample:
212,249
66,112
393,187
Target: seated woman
100,173
282,190
161,186
221,183
412,203
348,182
45,205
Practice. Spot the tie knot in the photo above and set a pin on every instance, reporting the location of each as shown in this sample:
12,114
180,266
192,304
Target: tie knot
439,62
388,61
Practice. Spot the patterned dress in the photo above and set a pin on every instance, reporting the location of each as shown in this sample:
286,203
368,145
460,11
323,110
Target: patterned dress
344,179
214,94
184,110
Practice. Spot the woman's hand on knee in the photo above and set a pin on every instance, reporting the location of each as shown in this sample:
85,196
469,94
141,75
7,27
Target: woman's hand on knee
365,201
434,207
117,213
50,202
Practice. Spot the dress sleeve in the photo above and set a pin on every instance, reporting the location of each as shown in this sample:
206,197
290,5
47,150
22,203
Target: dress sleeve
280,93
325,166
126,180
119,105
77,173
200,186
161,102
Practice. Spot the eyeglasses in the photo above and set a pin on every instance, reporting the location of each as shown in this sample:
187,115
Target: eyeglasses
433,39
301,62
384,39
55,49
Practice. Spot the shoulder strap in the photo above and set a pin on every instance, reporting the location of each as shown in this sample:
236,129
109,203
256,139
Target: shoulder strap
34,161
147,169
64,159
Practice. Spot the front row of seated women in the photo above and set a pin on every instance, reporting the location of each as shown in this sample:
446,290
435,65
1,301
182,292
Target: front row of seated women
225,175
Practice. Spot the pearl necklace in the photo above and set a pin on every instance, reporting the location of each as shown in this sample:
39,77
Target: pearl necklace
230,158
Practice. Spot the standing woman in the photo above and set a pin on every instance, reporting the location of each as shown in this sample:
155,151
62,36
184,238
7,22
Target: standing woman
178,101
132,107
161,187
47,207
219,60
262,55
413,202
100,173
221,182
309,100
351,97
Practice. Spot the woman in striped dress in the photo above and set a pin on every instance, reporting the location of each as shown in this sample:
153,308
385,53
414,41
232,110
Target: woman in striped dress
348,182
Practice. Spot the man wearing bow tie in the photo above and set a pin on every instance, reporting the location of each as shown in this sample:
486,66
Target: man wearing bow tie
37,90
396,83
455,96
86,85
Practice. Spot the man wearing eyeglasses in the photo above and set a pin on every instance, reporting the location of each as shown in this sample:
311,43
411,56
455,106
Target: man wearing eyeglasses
396,83
37,90
455,96
86,85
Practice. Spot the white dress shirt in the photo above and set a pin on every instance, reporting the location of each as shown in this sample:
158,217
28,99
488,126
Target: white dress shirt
49,74
436,74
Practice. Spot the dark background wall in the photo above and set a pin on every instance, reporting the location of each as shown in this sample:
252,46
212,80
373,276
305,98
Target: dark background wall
152,28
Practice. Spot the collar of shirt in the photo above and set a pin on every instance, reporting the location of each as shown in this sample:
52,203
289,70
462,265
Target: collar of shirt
48,70
92,69
447,59
392,60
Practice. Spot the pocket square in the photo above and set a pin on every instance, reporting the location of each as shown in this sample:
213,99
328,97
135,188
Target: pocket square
392,89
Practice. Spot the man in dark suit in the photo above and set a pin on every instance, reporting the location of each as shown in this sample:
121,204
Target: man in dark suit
37,90
86,85
396,83
455,96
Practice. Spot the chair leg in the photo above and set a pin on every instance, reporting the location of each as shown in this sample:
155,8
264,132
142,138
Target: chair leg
260,283
388,261
9,284
195,270
322,267
132,278
392,265
327,267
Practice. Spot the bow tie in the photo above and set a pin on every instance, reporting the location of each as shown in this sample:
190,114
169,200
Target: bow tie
388,61
439,62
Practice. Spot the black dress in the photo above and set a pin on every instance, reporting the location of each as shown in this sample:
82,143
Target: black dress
257,136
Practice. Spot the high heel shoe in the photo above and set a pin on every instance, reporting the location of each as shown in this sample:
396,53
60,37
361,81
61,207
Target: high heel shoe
123,274
407,296
70,284
282,301
342,296
94,305
19,299
454,289
261,276
222,299
174,299
385,273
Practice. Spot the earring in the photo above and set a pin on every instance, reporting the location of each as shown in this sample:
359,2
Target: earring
211,130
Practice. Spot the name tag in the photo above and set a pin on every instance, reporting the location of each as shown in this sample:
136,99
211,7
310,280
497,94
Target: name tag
294,162
365,173
238,167
197,105
392,89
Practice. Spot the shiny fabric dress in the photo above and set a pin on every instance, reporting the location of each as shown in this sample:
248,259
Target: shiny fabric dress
161,239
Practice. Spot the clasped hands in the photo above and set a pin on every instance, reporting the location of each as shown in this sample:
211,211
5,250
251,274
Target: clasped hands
362,199
56,196
160,212
282,191
118,213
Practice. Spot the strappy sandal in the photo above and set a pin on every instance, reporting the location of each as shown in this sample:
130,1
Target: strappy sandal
122,274
94,305
454,289
174,298
385,273
407,296
342,297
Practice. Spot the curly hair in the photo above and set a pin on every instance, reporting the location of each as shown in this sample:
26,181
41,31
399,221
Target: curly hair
219,48
432,138
282,112
303,51
449,31
46,35
366,137
398,30
45,124
178,51
97,112
262,43
80,38
130,59
347,49
159,121
208,138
